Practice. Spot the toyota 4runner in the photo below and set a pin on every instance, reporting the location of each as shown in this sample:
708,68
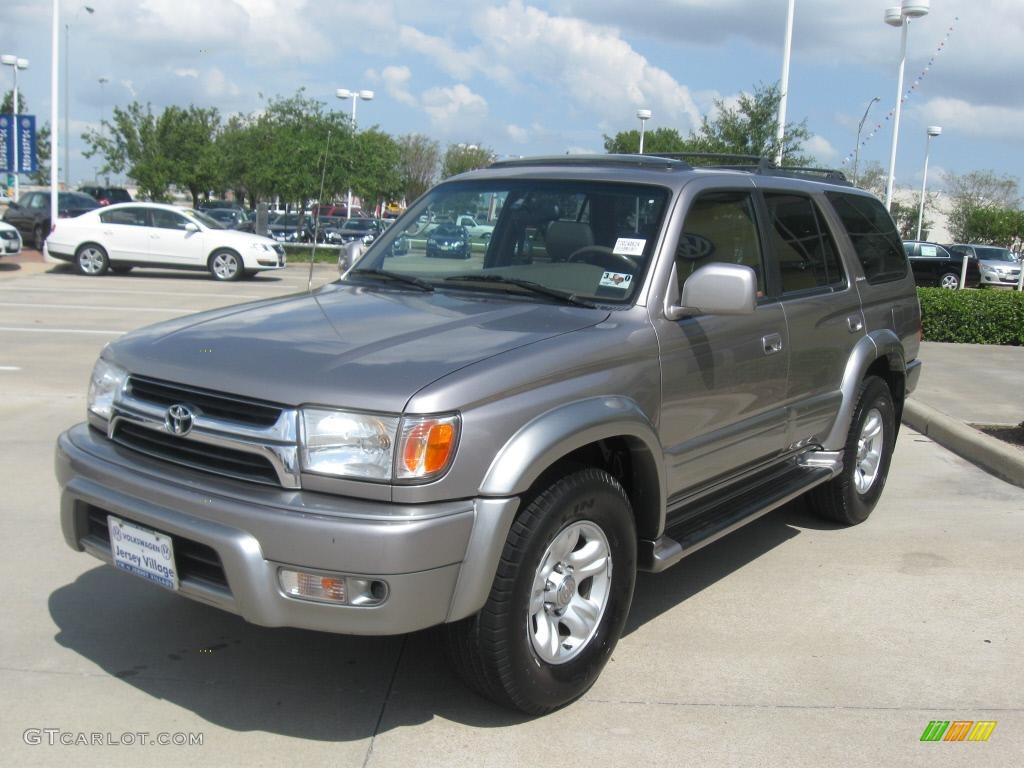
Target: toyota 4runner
643,357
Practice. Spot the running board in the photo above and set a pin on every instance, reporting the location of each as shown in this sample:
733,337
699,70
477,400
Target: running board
710,518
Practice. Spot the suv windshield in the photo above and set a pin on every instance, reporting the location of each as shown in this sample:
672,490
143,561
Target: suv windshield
589,240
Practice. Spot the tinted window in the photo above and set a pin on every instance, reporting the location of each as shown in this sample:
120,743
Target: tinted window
38,201
133,216
167,219
873,234
720,227
807,254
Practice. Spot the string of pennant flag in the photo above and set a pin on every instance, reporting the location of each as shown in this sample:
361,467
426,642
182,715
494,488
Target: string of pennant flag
908,92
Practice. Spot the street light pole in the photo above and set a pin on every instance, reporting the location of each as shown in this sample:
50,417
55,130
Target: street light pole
643,115
933,130
15,64
787,49
54,111
856,150
345,93
900,17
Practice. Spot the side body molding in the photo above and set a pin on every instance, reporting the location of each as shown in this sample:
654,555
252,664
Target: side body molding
877,344
560,431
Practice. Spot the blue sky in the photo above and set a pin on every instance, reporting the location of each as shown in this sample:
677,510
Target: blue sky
550,76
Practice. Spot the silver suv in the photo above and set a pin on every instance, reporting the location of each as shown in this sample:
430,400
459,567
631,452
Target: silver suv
643,357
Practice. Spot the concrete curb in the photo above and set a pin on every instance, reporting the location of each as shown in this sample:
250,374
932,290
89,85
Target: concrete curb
991,454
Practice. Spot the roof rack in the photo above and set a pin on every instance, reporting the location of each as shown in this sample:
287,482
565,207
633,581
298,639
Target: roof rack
762,166
654,162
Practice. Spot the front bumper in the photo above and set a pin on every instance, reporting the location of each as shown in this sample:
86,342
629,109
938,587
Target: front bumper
438,560
994,278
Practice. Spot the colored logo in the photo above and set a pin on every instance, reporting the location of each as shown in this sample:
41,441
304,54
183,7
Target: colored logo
958,730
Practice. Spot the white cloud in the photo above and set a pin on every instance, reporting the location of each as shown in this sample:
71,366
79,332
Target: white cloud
821,148
459,64
976,120
518,134
186,72
454,108
396,82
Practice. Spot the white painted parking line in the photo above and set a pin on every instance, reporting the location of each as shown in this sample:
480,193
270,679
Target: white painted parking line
23,289
9,368
13,329
90,306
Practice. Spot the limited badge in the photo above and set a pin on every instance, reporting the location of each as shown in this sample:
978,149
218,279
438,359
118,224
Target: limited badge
629,246
620,280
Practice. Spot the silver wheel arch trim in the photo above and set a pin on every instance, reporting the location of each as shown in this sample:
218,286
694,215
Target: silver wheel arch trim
883,343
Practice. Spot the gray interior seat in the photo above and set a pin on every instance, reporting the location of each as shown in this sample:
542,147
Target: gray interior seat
564,238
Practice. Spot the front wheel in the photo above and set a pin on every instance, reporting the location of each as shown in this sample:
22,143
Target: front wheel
225,265
849,497
559,600
949,280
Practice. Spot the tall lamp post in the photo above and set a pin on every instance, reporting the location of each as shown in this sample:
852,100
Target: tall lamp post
787,47
900,17
643,115
12,61
933,130
856,149
345,93
67,98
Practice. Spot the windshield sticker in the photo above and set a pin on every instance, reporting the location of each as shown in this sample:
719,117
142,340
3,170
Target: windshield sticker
928,250
620,280
629,246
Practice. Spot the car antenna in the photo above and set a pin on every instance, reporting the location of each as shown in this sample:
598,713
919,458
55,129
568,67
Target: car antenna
316,219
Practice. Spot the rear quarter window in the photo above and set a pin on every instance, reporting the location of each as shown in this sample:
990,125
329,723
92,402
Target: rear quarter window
873,234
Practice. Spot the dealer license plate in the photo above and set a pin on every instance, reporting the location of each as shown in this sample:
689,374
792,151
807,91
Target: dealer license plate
143,552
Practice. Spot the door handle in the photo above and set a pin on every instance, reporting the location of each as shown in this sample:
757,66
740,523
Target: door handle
855,323
772,343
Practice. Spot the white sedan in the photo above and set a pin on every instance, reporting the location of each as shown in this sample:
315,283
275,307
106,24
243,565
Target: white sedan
119,237
10,240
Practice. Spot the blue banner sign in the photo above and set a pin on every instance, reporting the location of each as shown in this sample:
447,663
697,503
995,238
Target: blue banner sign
20,137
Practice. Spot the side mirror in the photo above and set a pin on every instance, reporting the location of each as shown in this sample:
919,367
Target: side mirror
714,289
13,205
191,228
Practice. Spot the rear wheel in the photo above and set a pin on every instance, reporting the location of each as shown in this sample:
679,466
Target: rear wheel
559,600
850,497
949,280
91,260
225,265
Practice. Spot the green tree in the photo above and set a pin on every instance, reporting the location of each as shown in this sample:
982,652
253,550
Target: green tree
969,192
655,142
459,158
130,143
419,158
42,174
377,167
994,226
186,140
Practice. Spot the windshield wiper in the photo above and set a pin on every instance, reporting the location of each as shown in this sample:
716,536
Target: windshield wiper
529,285
397,277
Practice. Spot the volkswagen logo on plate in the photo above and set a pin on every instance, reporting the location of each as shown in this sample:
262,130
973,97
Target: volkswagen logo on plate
179,420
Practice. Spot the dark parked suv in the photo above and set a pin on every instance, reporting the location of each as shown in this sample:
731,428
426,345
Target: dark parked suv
107,195
645,357
31,214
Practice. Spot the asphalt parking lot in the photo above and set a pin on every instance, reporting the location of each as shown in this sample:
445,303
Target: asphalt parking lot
789,643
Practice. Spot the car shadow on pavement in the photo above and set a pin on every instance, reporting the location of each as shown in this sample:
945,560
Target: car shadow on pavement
319,686
9,266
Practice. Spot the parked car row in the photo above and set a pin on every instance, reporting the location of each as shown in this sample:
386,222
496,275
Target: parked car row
942,265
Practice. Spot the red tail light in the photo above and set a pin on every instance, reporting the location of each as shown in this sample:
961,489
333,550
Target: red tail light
103,201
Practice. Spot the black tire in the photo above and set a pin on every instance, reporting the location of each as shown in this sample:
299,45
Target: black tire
91,260
225,265
38,236
949,280
494,651
842,499
121,269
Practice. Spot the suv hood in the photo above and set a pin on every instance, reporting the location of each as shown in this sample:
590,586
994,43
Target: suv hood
344,346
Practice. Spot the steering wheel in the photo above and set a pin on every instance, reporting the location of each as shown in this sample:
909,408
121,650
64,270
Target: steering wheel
605,257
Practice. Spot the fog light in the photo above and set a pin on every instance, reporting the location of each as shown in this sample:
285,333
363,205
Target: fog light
333,588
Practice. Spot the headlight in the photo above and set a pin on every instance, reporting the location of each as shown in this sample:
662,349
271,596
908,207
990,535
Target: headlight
358,445
107,380
366,446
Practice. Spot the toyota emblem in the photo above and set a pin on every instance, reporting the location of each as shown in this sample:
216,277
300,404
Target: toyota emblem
179,420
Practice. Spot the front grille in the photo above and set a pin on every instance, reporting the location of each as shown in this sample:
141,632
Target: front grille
163,393
192,453
192,560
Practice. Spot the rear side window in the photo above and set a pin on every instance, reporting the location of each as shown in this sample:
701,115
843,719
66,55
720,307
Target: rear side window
132,216
873,234
806,253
